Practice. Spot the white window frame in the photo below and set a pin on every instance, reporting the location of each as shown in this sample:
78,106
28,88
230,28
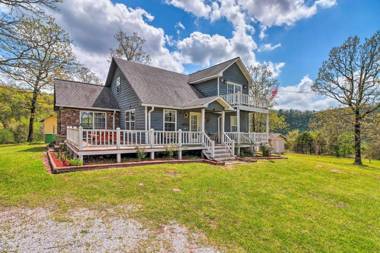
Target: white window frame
93,118
234,87
163,119
231,125
118,84
130,121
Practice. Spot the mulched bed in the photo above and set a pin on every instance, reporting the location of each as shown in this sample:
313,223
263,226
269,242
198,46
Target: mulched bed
56,169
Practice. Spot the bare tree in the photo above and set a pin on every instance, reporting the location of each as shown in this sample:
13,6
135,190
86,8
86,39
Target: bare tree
264,87
264,84
130,47
49,57
351,76
83,74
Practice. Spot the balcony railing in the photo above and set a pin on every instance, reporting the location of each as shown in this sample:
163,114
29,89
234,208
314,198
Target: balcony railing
248,138
245,99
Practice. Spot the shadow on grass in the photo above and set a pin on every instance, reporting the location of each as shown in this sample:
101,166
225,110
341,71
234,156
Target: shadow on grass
33,149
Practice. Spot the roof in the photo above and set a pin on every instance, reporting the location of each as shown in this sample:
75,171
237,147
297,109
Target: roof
83,95
210,72
155,86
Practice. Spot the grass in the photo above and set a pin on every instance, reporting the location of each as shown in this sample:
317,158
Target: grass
303,204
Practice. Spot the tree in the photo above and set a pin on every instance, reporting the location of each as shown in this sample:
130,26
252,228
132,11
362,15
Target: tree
130,47
351,76
83,74
13,12
50,56
264,84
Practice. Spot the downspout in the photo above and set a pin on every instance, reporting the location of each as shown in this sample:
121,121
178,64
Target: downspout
146,117
150,117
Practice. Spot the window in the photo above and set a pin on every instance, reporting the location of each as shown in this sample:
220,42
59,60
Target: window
130,120
93,120
170,120
233,123
117,84
100,120
86,120
233,88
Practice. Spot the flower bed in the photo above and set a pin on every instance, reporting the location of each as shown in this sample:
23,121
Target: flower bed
56,168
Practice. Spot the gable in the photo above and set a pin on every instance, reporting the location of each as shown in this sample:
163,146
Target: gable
234,74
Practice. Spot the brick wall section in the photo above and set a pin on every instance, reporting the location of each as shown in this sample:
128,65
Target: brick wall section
70,117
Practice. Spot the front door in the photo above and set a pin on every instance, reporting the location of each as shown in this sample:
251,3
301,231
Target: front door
195,121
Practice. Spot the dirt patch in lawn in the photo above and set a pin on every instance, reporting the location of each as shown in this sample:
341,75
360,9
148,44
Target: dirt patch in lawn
84,230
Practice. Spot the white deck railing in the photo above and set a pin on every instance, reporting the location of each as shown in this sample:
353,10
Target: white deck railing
229,144
209,144
82,138
245,99
248,138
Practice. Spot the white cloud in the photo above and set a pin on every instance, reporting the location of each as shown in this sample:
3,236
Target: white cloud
301,97
180,25
93,37
197,7
269,47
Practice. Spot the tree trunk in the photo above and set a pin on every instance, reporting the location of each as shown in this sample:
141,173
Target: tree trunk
357,130
32,115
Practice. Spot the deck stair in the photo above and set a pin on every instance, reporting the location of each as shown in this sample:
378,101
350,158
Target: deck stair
221,153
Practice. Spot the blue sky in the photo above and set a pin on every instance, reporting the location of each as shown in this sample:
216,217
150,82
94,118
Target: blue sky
294,37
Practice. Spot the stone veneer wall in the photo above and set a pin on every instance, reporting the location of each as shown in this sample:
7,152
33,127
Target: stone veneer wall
70,117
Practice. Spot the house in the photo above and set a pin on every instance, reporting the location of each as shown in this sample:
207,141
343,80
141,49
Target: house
152,108
49,128
277,142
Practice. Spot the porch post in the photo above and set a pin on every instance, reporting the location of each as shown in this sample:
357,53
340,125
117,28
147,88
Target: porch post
267,126
203,119
222,126
238,123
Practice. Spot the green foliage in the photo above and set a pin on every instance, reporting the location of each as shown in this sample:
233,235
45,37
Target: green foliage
14,115
345,144
169,151
295,120
6,136
140,152
75,162
265,149
304,143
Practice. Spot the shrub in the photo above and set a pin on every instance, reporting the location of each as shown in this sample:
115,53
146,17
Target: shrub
304,143
75,162
265,149
169,151
6,136
140,153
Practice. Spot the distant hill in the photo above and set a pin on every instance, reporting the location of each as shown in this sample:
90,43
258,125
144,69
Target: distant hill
296,119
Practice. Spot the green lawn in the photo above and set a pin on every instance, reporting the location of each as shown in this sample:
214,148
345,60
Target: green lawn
303,204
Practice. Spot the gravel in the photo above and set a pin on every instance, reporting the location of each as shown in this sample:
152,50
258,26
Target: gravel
84,230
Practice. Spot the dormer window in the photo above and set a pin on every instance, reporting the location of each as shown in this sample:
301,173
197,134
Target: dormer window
117,84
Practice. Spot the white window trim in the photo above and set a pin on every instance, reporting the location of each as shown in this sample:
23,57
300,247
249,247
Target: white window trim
93,118
118,87
163,118
233,84
134,121
200,120
233,116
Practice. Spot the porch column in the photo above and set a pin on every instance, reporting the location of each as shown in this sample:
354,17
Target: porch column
222,126
238,122
203,119
267,126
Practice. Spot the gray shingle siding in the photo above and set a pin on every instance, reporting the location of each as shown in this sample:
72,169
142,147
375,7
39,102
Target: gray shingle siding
233,74
208,88
127,100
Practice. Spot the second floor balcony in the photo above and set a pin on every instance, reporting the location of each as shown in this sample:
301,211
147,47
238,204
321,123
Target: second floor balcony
237,99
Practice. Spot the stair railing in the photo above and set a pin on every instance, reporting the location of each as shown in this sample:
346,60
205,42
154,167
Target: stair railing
209,144
229,144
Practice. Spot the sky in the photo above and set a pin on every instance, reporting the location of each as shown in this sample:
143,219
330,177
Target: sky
292,36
